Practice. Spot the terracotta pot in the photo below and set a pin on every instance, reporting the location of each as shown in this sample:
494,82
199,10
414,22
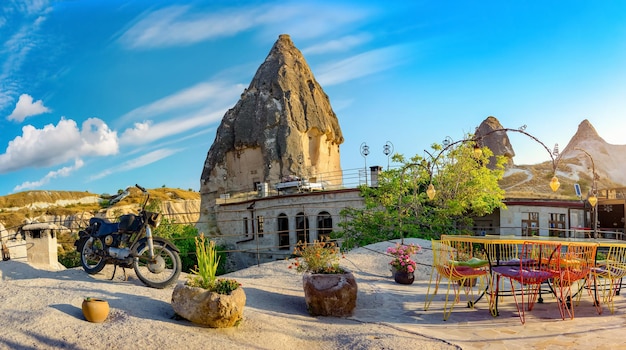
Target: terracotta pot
403,277
330,294
95,310
207,308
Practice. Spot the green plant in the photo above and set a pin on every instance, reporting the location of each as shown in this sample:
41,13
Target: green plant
317,257
205,274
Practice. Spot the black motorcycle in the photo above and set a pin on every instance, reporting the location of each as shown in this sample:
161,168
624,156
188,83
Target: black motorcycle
129,243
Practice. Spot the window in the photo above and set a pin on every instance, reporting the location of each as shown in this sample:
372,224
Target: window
530,225
557,225
302,228
259,225
283,232
245,226
324,225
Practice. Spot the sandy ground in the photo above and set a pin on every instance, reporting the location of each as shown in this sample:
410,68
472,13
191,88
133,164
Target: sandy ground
42,310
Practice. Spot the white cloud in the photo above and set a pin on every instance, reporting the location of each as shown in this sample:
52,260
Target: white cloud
63,172
54,145
343,44
184,25
199,94
138,162
18,45
148,131
177,25
360,65
25,108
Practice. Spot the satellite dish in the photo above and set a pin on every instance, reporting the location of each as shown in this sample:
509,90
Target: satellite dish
577,189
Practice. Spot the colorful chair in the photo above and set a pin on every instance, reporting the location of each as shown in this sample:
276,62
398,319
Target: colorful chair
538,263
607,276
575,271
450,263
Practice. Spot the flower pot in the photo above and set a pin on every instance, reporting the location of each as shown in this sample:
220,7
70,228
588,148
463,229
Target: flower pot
95,310
208,308
330,294
403,277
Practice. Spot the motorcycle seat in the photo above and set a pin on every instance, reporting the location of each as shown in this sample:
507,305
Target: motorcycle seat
104,226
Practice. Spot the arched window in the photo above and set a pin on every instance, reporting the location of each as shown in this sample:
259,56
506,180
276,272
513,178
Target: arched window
302,228
324,226
283,232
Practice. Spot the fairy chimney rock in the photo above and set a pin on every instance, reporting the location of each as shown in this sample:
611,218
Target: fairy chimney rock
283,125
497,141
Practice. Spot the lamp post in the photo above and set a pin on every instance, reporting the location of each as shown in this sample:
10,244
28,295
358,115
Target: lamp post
593,198
365,151
388,150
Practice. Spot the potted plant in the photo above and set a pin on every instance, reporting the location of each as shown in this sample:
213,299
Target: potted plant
95,310
329,290
403,266
205,299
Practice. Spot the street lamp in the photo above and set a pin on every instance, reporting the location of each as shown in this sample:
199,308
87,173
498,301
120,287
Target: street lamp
388,150
365,151
593,198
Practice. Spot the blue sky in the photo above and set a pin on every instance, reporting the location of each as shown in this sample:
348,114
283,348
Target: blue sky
98,95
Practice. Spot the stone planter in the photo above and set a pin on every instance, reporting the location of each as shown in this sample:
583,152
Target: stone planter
330,294
95,310
403,277
208,308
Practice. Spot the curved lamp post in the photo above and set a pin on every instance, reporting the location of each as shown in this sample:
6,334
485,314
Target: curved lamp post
554,154
365,151
387,151
448,143
593,198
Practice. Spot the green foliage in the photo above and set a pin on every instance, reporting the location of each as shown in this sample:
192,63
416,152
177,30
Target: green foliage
399,206
317,257
70,259
205,274
183,237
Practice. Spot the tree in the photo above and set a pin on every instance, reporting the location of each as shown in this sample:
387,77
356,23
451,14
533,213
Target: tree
399,207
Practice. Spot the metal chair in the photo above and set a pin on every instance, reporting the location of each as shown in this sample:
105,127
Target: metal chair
575,268
607,276
538,263
458,273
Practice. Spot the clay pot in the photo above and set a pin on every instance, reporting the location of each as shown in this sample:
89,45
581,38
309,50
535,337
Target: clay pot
95,310
330,294
403,277
207,308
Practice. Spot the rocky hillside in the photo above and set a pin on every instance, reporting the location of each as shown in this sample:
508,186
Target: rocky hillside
73,209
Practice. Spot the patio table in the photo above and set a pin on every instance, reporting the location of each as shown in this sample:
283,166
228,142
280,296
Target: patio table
499,241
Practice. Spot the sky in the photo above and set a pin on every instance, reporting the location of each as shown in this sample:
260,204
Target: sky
97,95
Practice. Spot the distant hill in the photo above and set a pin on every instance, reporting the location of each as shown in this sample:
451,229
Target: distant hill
64,206
574,166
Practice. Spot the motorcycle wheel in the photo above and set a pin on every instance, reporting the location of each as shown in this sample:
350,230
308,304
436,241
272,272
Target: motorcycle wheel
161,271
91,262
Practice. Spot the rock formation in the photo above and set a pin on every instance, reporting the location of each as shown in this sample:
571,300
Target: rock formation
497,141
283,125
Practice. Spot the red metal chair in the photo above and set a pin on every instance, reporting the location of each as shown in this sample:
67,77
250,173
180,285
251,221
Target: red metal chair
538,263
575,271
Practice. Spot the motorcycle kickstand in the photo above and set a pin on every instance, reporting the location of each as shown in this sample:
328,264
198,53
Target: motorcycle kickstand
115,269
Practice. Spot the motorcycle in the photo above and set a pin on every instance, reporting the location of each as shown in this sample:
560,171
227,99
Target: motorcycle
130,243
